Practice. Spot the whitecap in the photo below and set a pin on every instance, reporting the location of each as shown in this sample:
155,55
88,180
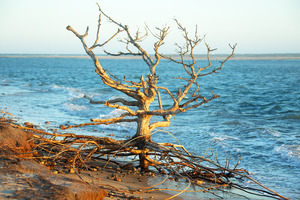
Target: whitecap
112,114
117,113
224,138
74,107
274,133
7,81
56,86
73,92
27,85
292,152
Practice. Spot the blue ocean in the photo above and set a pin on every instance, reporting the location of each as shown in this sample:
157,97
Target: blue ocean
257,116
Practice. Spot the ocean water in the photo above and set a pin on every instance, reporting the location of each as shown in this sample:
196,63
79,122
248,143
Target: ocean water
257,116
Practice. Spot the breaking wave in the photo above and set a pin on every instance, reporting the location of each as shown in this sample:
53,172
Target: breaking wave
74,107
289,151
73,92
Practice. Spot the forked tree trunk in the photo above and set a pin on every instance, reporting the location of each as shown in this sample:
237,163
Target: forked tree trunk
145,91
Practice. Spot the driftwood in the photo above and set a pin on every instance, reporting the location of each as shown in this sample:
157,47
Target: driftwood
80,152
75,153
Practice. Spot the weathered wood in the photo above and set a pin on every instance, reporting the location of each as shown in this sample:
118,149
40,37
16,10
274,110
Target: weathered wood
79,152
147,90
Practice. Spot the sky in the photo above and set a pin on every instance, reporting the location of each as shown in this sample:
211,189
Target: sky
257,26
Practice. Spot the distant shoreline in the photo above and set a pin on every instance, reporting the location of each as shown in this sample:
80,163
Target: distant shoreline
198,57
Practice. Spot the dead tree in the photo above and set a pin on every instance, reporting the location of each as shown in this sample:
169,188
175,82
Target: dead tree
147,89
72,151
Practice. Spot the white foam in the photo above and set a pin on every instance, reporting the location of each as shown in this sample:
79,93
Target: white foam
27,85
57,86
274,133
118,113
224,138
73,92
74,107
222,141
291,151
112,114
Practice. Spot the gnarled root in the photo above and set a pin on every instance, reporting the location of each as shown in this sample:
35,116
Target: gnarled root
77,152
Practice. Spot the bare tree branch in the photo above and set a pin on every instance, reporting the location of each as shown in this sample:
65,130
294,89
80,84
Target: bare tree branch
222,62
147,89
102,121
102,73
131,39
107,41
112,119
165,123
170,94
120,107
117,100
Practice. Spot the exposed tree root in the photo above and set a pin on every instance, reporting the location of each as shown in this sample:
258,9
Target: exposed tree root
80,152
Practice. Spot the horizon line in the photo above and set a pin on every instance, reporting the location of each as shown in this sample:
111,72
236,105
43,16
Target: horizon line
239,56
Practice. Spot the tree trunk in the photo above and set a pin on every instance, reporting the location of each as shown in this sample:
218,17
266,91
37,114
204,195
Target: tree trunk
143,130
143,134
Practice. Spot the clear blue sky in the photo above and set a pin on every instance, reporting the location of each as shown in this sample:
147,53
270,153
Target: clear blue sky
258,26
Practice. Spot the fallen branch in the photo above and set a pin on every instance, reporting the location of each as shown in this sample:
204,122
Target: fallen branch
77,151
